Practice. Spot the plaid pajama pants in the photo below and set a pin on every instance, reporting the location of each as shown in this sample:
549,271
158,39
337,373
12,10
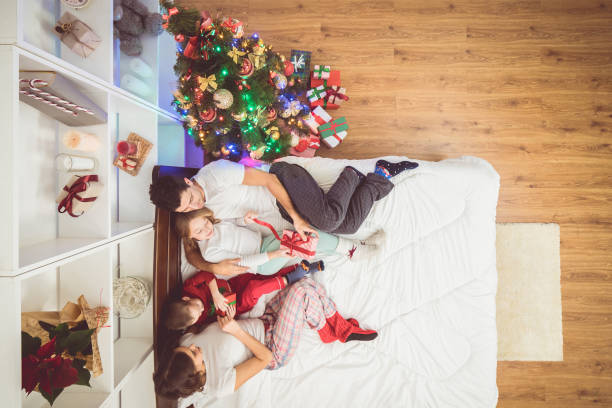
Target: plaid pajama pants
303,303
342,209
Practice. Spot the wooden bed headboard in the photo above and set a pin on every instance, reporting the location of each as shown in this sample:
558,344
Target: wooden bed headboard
167,280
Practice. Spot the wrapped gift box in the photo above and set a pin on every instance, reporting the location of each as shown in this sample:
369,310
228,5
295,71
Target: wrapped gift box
298,247
301,63
76,35
334,97
316,94
321,71
333,80
334,132
79,194
315,118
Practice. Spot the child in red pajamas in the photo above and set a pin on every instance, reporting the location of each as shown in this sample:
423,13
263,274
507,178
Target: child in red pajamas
197,306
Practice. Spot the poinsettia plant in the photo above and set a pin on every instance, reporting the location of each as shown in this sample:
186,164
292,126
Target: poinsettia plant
49,368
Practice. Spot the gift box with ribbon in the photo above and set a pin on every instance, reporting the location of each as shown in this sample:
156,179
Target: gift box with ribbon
335,95
315,118
321,71
307,146
78,195
292,241
316,94
126,163
334,132
76,35
333,80
301,63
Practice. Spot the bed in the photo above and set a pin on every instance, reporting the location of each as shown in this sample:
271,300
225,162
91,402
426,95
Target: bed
430,293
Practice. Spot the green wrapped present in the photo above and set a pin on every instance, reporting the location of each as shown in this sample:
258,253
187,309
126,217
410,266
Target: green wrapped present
334,132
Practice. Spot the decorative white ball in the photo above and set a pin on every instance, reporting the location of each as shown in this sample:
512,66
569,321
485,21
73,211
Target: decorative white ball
223,98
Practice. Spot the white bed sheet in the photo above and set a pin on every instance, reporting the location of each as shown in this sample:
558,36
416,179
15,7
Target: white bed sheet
430,294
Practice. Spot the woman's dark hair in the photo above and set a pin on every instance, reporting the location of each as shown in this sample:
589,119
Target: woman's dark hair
178,378
165,192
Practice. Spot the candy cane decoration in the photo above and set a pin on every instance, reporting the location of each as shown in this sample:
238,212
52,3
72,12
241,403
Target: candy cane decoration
35,92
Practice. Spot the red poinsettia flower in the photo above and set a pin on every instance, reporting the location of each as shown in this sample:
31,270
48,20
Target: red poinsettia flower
47,369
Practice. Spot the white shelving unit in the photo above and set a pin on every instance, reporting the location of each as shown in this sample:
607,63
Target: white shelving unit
47,258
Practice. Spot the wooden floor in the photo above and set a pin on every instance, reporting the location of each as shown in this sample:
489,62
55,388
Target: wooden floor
526,85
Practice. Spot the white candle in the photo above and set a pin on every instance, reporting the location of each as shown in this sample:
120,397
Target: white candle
72,163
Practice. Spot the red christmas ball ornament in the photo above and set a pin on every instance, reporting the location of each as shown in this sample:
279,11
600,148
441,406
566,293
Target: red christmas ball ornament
179,38
288,68
271,114
247,68
208,115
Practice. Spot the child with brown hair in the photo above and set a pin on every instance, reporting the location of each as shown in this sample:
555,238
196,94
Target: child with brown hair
197,306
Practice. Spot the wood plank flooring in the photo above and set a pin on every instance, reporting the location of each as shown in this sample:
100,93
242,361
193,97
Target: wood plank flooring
527,85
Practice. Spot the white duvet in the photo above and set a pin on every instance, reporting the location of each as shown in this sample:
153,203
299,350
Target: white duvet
430,294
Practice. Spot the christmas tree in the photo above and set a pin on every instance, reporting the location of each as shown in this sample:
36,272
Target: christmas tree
234,93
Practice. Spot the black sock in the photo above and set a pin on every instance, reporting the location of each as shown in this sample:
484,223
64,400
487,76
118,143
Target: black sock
393,169
362,336
303,268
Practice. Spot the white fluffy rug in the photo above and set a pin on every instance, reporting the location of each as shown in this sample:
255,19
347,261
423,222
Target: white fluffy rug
529,293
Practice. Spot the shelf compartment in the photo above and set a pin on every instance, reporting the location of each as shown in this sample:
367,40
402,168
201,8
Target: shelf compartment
133,256
38,22
44,234
50,289
131,208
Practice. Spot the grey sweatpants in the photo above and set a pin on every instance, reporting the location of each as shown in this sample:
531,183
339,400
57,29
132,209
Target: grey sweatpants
345,206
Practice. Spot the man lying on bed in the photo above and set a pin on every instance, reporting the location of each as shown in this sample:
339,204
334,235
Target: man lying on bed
286,192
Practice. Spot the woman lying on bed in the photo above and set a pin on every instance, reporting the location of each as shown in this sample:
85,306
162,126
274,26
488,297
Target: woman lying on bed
220,359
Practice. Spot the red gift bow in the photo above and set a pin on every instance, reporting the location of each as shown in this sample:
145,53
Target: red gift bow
302,145
333,125
292,241
314,142
79,186
334,91
191,47
125,164
166,17
231,25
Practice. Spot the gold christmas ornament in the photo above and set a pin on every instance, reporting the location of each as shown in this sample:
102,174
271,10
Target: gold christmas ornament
239,117
235,53
258,154
223,98
273,132
207,83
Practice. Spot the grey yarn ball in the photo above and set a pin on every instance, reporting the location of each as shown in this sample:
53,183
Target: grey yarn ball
131,23
153,24
130,45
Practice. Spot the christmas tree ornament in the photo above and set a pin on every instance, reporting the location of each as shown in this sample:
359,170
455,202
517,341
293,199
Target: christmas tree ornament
179,38
295,138
247,68
191,48
293,108
182,100
208,115
271,114
191,121
225,151
223,98
273,132
205,21
258,61
280,81
207,83
239,117
235,53
166,17
258,153
235,26
288,68
216,154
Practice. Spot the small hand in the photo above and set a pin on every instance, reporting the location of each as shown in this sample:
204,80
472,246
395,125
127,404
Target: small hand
280,253
229,267
302,227
220,302
227,322
249,217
